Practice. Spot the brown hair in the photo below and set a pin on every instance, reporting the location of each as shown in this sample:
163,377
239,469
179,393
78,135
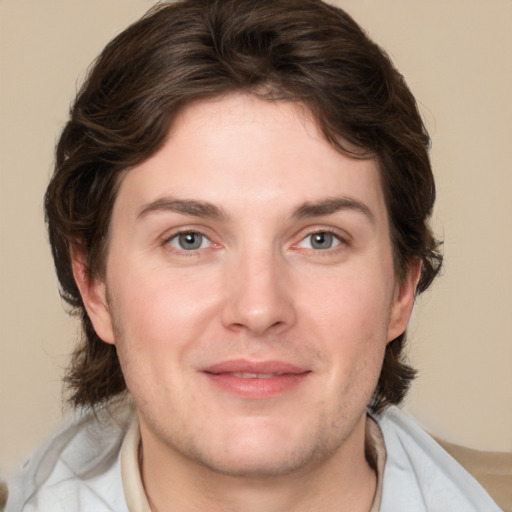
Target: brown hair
299,50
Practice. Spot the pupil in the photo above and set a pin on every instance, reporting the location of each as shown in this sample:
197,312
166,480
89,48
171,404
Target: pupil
322,241
190,241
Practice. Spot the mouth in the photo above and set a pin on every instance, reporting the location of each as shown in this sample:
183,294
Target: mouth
256,380
255,375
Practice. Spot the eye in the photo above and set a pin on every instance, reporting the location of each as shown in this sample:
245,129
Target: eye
189,241
321,240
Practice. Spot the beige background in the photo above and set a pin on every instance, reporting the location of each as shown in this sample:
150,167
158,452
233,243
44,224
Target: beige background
456,56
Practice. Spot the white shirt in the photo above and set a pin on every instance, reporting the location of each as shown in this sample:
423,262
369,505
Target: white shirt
91,464
420,476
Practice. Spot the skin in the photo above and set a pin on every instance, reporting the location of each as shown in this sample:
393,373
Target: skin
248,237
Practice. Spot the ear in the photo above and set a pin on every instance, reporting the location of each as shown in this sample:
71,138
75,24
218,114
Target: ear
94,297
403,301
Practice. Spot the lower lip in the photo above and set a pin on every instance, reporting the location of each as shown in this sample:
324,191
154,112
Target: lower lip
258,388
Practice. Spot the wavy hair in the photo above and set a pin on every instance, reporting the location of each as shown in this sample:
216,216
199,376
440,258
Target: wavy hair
299,50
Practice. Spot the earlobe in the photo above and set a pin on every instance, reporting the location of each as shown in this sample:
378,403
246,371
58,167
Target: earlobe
94,297
403,301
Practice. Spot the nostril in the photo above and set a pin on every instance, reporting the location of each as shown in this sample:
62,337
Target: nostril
257,301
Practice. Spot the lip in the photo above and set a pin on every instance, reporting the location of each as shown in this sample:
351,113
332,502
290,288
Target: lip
256,379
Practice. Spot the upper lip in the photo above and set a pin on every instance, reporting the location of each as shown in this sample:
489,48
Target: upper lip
255,367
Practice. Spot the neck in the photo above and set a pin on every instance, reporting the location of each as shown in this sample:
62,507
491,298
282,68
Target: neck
344,481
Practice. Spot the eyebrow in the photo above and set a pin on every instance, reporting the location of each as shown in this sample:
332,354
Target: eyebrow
198,208
332,205
186,206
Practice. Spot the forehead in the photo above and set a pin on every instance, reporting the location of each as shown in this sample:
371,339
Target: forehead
243,152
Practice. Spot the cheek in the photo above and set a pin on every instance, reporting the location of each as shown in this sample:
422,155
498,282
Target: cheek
355,305
160,309
157,322
350,315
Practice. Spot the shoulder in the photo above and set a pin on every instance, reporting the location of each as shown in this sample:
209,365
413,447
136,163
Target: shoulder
420,475
78,468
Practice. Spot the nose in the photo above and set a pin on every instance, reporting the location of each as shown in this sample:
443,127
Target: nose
258,296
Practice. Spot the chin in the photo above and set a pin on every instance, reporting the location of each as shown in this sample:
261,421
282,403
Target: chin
267,450
260,464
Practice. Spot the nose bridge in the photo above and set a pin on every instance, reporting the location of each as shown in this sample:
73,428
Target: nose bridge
258,298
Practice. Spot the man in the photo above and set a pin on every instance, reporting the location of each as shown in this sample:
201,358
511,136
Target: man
239,213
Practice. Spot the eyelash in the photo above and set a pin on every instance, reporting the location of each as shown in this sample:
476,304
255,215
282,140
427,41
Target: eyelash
342,242
167,242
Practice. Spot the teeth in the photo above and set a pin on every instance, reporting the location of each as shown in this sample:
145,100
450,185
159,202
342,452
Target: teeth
253,375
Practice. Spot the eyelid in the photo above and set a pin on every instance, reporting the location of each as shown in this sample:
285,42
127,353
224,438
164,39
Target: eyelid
344,241
176,237
336,238
171,234
342,235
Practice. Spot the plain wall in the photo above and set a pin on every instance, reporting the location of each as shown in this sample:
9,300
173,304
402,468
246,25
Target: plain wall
456,56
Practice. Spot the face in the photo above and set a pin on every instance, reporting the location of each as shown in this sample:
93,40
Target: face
250,290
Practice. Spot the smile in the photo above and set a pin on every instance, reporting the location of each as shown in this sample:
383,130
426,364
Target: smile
255,375
256,380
